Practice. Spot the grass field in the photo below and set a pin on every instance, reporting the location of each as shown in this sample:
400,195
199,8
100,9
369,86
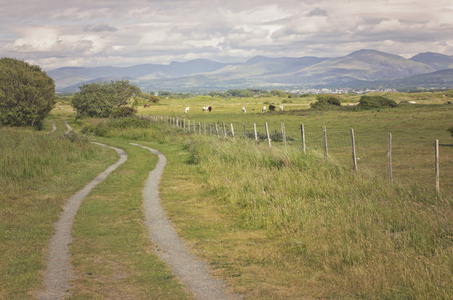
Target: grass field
414,129
276,223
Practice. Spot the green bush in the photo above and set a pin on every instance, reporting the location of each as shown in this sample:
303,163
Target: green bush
371,102
123,112
103,127
326,102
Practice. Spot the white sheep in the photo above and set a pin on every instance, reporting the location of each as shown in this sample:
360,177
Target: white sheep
187,110
264,108
243,110
281,107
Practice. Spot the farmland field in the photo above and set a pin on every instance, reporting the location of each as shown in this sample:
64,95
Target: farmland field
275,223
414,129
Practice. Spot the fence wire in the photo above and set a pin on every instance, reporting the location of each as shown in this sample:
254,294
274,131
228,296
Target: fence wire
371,149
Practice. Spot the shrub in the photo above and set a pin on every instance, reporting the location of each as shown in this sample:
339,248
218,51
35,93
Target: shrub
279,93
370,102
154,99
123,112
326,101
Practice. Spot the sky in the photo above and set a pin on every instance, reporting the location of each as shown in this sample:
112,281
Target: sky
89,33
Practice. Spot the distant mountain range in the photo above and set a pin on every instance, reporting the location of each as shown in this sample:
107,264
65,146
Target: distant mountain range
360,69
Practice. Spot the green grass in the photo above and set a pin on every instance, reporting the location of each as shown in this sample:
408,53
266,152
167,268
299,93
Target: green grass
113,255
38,172
414,129
274,222
277,223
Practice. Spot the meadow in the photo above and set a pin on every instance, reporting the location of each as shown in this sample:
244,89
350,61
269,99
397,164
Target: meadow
414,129
276,223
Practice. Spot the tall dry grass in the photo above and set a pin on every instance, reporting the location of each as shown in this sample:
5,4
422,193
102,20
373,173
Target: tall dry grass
329,231
359,234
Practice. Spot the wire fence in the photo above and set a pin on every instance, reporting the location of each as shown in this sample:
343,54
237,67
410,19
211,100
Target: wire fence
427,164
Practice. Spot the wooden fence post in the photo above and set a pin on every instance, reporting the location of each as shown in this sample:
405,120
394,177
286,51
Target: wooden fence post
437,167
325,141
216,128
232,129
256,133
389,157
354,157
268,136
283,134
302,131
224,129
199,128
245,133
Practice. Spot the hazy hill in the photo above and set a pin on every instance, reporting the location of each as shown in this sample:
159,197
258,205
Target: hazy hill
364,66
435,60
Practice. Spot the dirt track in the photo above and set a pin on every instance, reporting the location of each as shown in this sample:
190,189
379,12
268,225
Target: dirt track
59,270
169,246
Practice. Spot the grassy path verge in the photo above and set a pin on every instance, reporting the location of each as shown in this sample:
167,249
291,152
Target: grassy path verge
112,254
59,270
171,248
38,172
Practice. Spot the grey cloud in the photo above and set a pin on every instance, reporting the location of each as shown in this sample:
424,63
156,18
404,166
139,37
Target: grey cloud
317,12
100,28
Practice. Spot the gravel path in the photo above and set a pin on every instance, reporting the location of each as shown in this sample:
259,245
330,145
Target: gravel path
171,248
54,127
59,270
69,127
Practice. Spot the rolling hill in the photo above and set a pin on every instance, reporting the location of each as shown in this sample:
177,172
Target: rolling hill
360,68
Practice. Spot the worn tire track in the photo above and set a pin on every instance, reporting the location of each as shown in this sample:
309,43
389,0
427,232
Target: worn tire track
59,271
171,248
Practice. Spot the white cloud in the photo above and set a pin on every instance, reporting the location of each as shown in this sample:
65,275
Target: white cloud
56,33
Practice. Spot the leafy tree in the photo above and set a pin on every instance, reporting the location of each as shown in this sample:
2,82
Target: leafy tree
370,102
99,99
27,94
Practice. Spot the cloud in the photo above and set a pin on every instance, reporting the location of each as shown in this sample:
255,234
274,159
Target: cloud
57,33
317,12
100,28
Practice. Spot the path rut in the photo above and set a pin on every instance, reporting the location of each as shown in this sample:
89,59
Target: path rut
171,248
192,272
59,271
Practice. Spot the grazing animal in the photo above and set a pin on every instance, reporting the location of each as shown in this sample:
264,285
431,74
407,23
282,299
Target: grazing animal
146,105
243,110
187,110
281,107
264,108
209,108
205,108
